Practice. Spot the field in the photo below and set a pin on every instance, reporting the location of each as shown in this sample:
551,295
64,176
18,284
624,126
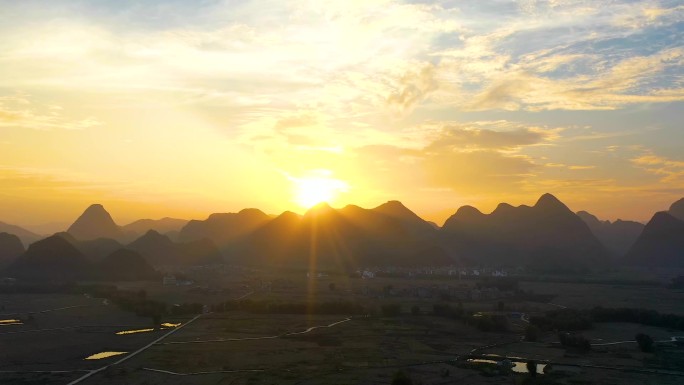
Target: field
584,296
57,333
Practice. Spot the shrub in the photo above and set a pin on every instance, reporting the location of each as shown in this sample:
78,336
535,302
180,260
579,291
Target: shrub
645,342
532,367
574,341
531,333
391,310
401,378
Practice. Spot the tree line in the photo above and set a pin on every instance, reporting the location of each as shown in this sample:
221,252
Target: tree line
279,307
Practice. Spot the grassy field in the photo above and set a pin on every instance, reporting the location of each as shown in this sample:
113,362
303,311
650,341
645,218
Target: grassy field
57,333
237,347
584,296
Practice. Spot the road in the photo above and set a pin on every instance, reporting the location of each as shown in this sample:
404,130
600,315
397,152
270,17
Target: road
135,353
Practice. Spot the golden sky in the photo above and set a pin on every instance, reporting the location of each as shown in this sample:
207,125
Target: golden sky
184,108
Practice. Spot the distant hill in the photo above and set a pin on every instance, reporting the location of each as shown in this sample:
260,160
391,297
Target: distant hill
344,239
53,258
661,244
48,228
158,250
164,225
94,223
546,236
199,252
617,236
58,258
26,237
94,250
10,249
224,229
124,265
417,226
677,209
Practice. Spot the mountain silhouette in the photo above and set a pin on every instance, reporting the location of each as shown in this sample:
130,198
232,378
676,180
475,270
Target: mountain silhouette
10,249
661,244
546,236
616,236
224,228
411,222
158,250
95,222
165,225
199,252
677,209
52,259
27,237
343,239
94,250
124,265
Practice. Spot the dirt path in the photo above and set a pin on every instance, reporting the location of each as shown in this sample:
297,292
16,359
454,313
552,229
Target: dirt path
308,330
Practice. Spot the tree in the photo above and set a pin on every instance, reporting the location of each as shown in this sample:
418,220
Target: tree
401,378
331,286
415,310
645,342
531,333
532,367
500,306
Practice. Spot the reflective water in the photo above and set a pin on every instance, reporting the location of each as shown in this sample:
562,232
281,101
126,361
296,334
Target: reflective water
517,366
170,325
521,367
134,331
101,355
164,326
7,322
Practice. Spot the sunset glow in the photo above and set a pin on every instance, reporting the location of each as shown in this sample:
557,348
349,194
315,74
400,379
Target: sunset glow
316,189
435,104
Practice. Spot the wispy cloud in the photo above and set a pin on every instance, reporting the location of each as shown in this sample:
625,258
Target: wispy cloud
20,111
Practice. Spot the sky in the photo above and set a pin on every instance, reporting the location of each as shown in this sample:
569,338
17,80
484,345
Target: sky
183,108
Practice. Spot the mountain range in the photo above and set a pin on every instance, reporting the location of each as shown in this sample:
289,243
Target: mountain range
159,249
617,236
661,244
346,238
56,258
677,209
546,236
95,223
10,249
27,237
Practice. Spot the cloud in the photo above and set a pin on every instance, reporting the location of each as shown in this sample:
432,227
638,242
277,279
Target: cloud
468,158
478,172
489,135
413,87
612,88
19,111
649,15
669,170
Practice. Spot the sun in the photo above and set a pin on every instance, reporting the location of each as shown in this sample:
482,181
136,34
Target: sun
310,191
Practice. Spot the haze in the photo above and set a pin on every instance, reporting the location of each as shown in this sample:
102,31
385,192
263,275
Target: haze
184,108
